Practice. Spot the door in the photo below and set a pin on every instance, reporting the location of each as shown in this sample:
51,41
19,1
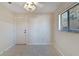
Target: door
39,30
21,30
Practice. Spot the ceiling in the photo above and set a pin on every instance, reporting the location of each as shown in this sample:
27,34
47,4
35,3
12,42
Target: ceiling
43,7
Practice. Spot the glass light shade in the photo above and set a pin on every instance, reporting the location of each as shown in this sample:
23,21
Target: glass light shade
30,6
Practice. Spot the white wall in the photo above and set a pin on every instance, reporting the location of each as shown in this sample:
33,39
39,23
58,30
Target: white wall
38,29
7,31
66,42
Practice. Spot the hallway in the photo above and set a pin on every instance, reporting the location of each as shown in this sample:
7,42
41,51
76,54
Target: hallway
31,50
39,33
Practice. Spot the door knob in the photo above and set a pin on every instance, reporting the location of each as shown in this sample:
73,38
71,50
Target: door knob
24,31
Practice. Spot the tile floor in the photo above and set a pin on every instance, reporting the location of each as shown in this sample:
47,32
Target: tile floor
31,50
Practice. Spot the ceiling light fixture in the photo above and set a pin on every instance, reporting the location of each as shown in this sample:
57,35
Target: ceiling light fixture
30,6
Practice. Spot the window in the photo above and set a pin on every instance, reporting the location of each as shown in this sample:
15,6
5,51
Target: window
69,20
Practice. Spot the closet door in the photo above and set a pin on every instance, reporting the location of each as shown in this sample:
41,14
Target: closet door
39,30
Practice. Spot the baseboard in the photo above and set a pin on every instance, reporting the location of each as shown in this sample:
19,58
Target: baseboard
21,44
6,49
59,50
38,44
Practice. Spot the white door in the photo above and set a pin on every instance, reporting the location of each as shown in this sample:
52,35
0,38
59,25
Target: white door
20,31
39,30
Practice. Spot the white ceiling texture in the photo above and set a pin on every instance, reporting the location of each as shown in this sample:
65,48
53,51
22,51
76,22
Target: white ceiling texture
43,7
